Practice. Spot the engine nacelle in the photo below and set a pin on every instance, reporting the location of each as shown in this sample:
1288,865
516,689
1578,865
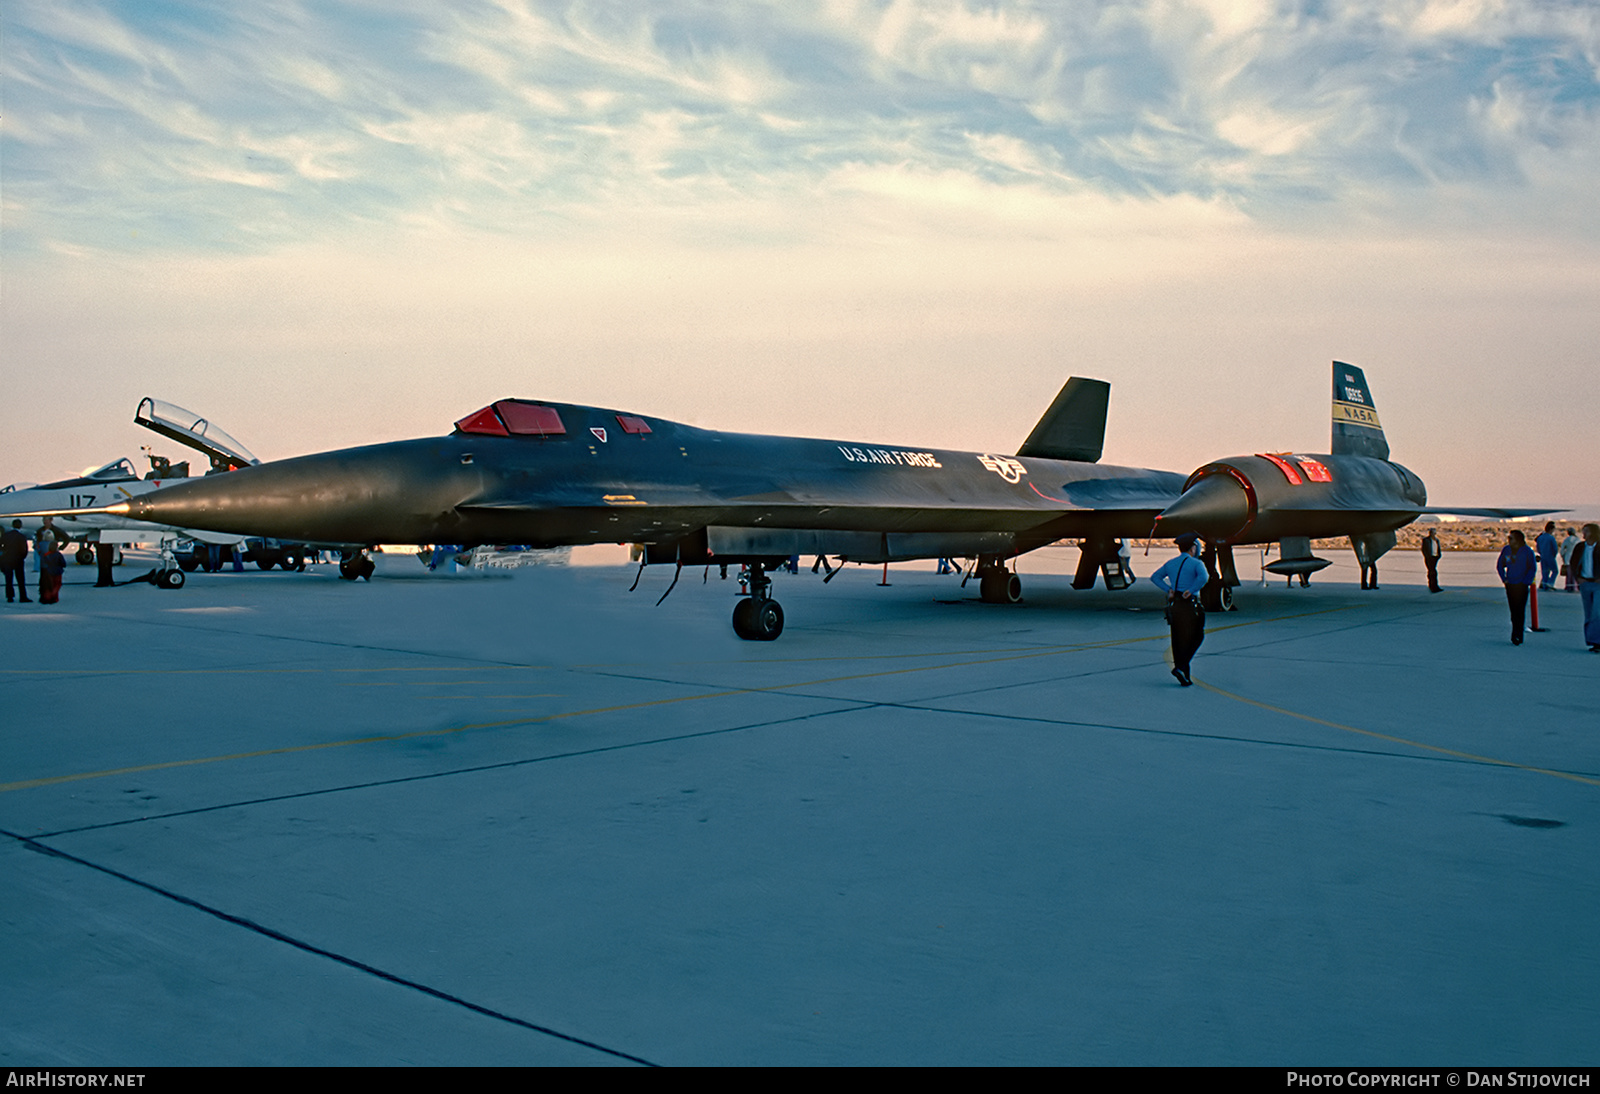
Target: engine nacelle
1267,497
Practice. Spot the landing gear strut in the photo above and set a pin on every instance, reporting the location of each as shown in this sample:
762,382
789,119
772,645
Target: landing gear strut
167,574
758,617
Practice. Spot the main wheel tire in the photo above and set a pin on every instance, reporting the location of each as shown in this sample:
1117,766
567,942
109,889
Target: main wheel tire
347,569
1000,587
85,556
170,579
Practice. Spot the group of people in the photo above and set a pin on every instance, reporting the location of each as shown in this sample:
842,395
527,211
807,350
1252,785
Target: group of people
47,544
1519,566
1549,551
1183,578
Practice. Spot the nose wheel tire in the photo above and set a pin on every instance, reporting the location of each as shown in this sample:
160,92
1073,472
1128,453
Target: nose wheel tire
757,620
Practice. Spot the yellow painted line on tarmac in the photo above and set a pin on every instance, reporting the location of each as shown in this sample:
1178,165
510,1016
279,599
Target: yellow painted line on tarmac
261,671
1456,753
1025,653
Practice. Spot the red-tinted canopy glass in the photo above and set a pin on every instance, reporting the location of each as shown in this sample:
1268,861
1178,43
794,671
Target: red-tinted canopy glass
511,416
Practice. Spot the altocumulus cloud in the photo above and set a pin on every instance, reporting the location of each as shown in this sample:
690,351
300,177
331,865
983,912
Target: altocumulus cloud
194,127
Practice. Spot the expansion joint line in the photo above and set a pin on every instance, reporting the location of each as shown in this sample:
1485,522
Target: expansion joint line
350,962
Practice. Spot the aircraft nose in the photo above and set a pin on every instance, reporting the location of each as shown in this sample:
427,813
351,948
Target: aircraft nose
384,493
1216,507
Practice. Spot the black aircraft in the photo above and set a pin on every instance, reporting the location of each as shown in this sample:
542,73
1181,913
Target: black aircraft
554,474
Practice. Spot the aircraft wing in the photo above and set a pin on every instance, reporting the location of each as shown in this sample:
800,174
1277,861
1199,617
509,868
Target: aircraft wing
1489,512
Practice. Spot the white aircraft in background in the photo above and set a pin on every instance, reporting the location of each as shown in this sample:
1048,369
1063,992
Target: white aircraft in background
119,481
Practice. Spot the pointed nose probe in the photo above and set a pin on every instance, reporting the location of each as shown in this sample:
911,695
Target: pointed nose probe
1215,508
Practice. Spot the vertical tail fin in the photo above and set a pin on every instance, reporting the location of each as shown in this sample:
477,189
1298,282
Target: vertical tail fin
1074,428
1356,430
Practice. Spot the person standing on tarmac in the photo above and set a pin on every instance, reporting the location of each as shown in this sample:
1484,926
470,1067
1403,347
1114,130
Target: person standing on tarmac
1585,567
1183,578
51,568
1430,558
13,552
1567,545
47,534
1548,553
1519,569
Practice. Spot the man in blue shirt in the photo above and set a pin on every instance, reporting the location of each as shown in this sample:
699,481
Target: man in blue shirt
1183,577
1548,551
1517,568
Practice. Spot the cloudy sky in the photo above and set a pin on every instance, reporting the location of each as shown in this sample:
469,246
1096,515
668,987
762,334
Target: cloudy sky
325,224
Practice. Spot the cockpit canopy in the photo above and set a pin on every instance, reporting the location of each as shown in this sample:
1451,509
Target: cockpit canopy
514,417
521,418
188,428
115,471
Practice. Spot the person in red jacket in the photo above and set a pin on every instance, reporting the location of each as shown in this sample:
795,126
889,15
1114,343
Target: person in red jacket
51,567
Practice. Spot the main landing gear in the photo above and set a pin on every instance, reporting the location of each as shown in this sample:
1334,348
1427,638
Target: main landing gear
1217,596
354,565
758,617
996,584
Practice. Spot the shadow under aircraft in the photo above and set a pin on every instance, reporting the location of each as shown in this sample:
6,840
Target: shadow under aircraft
554,474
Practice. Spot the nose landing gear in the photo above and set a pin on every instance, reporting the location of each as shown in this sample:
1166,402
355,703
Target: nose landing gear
758,617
